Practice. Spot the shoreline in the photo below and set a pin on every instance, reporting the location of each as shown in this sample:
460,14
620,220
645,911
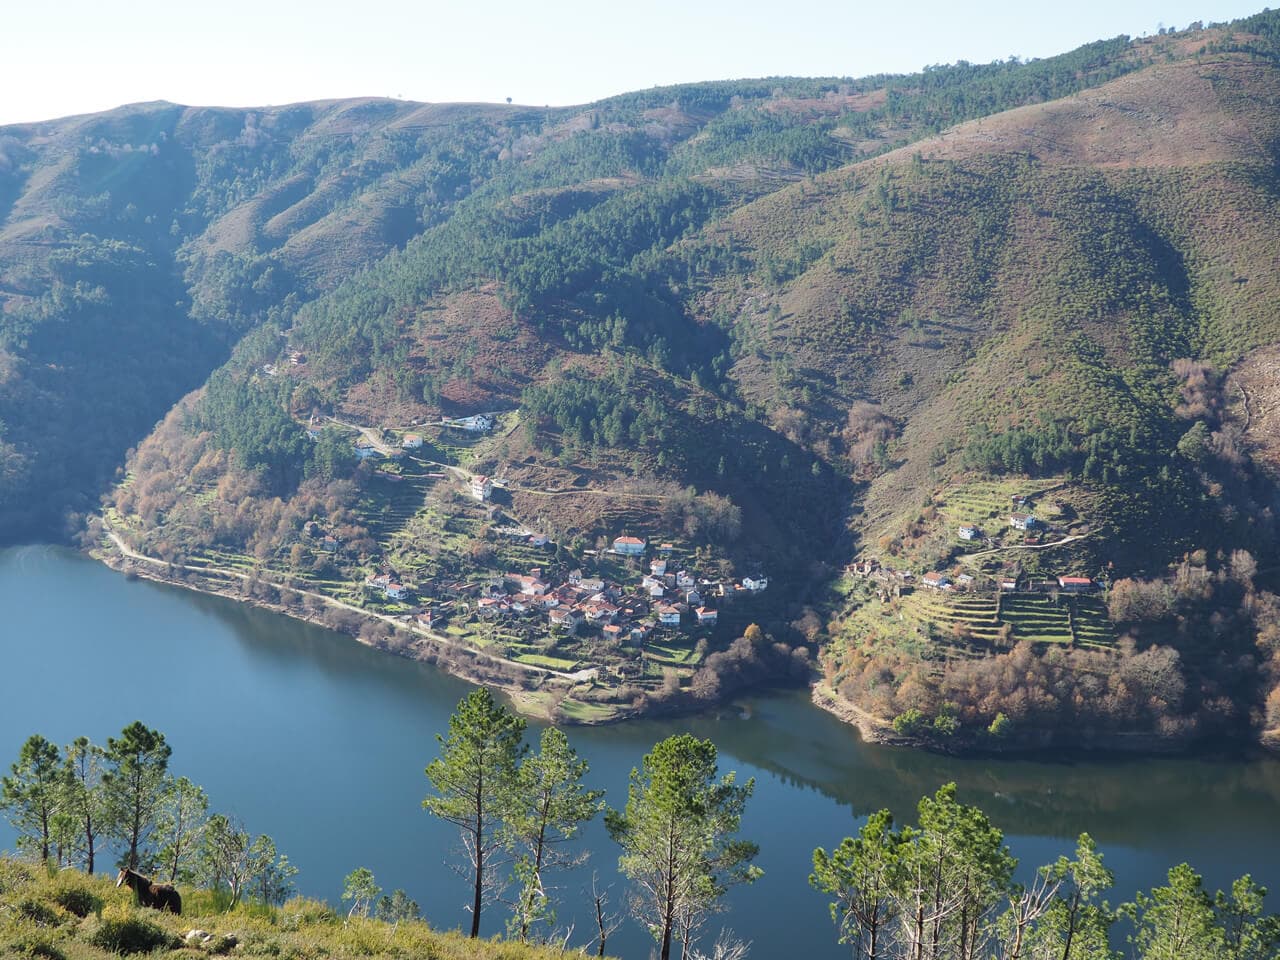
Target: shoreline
452,657
874,730
540,698
535,692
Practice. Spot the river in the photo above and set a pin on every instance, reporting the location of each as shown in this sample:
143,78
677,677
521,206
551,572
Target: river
321,743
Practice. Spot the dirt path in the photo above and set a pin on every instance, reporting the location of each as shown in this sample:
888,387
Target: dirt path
374,436
596,490
968,557
577,677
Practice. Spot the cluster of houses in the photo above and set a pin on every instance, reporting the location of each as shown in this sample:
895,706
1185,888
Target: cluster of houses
895,580
618,611
664,597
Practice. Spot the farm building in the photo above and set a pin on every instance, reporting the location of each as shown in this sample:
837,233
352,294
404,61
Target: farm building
1075,584
629,546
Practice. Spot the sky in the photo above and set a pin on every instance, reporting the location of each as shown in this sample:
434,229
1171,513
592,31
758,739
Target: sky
62,57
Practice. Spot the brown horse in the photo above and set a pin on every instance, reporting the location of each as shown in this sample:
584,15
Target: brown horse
161,896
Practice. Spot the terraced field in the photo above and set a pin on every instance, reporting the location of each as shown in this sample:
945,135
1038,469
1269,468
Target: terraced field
1037,619
966,622
1092,627
393,500
974,625
986,504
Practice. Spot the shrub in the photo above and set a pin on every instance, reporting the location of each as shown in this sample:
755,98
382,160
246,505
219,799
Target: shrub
945,726
13,874
35,944
127,935
38,912
1000,727
77,900
910,723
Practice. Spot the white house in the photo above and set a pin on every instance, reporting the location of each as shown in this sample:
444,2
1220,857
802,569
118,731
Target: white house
1022,521
936,581
480,423
629,546
364,448
706,616
969,533
566,617
481,488
755,585
668,616
396,591
411,441
657,567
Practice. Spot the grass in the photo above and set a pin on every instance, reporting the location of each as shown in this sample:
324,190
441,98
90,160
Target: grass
552,663
987,504
1037,619
584,712
68,915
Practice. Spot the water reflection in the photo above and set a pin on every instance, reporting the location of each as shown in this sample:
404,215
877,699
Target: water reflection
321,742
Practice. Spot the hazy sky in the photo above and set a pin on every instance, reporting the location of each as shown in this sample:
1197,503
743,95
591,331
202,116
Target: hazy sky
59,57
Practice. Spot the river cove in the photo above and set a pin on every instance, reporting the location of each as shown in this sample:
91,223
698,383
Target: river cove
320,742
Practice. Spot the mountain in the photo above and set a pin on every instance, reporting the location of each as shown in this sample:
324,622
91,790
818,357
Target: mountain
782,324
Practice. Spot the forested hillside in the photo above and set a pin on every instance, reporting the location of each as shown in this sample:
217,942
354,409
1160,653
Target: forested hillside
778,325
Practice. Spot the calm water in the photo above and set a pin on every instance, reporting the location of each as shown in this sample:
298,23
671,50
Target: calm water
321,743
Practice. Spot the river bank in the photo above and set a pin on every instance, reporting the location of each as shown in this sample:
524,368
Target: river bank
1030,743
548,695
538,693
321,743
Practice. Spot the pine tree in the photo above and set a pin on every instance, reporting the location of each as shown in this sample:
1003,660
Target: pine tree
134,783
31,795
677,838
474,779
551,806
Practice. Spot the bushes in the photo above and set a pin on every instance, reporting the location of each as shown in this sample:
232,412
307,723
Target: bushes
131,934
77,900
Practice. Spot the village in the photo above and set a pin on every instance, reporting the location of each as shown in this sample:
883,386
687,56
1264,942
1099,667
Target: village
625,612
1024,531
637,591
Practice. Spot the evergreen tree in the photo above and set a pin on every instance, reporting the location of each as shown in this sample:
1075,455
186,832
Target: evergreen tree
134,783
865,875
85,797
31,795
551,806
677,841
474,779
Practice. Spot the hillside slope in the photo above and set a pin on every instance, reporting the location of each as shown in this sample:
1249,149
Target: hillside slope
778,326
